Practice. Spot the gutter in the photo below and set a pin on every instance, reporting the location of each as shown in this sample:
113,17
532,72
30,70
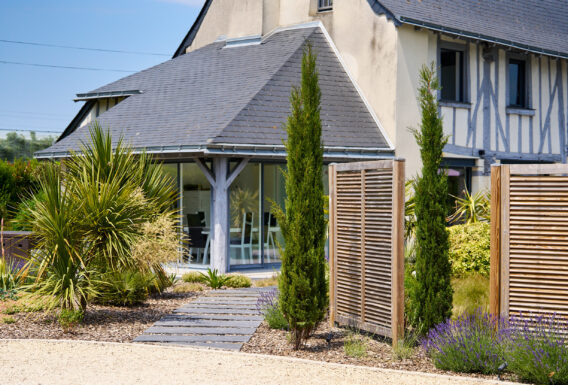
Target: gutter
108,94
481,37
246,150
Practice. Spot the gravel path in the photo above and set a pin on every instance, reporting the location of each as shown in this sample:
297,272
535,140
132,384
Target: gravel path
74,362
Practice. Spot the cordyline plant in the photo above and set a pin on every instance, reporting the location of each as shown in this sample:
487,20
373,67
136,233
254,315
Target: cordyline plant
303,289
432,294
92,217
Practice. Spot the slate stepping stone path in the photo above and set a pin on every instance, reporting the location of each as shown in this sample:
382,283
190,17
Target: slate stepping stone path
220,319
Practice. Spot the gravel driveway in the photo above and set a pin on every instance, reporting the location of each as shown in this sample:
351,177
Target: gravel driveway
75,362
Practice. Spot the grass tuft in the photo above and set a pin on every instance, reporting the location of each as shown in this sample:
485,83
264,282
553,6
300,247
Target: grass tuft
471,294
355,345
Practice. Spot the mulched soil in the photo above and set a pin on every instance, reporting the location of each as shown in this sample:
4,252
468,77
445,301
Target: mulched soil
101,323
379,352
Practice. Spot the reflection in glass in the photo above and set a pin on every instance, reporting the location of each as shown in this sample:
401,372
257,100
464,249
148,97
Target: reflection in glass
274,194
244,203
196,212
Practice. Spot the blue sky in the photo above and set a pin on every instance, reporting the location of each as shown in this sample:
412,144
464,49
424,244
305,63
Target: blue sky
42,98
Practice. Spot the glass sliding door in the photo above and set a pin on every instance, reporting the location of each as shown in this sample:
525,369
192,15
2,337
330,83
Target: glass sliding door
196,214
274,195
245,217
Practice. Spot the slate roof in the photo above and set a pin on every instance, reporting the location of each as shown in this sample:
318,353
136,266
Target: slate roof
537,25
218,95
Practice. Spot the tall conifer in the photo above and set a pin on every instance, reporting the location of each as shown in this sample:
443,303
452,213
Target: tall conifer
433,292
303,289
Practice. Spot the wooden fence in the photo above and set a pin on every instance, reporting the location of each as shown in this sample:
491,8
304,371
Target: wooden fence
366,243
529,239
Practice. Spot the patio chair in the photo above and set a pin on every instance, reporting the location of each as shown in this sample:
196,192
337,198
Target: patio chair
197,240
244,242
270,231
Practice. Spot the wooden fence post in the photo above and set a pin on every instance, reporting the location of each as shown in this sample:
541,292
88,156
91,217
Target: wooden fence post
495,264
332,247
398,253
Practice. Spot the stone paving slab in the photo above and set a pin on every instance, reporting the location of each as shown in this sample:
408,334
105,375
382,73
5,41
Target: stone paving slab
233,317
222,310
220,319
210,323
200,330
191,338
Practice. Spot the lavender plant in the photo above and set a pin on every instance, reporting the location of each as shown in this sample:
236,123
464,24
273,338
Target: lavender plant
469,344
538,349
267,305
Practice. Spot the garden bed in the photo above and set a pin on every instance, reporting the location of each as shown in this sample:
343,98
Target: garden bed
379,353
101,323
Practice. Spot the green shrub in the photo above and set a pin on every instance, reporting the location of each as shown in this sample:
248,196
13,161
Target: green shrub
192,276
538,349
10,276
8,320
471,293
238,280
355,345
213,279
470,248
275,318
188,287
125,288
69,319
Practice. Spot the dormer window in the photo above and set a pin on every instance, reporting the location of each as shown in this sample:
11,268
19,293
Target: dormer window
325,5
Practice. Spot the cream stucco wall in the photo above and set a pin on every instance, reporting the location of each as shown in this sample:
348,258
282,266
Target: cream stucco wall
231,19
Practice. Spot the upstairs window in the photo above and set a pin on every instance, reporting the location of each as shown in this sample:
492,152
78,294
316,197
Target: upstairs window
325,5
452,79
517,87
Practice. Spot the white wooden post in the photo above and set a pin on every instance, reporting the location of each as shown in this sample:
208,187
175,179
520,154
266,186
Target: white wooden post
220,181
220,219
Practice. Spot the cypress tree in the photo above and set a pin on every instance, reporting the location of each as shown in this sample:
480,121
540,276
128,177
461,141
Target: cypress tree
303,289
433,292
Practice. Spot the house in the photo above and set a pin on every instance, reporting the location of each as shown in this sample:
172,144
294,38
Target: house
214,112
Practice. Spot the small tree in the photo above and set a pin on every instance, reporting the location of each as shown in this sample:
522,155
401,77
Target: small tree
433,291
303,289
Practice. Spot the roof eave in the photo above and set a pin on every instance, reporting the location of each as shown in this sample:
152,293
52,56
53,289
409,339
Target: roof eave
481,37
243,150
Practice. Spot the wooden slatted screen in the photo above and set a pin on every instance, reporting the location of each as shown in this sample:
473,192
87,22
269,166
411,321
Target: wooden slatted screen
366,246
529,243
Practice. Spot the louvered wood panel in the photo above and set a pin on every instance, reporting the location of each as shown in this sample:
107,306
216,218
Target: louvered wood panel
533,251
366,254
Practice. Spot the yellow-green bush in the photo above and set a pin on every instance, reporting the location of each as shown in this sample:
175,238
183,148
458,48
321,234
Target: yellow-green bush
470,248
238,280
188,287
192,276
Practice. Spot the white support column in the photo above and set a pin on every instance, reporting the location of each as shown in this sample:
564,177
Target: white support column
220,230
220,219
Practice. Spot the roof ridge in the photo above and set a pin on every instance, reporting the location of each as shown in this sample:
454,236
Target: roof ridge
301,46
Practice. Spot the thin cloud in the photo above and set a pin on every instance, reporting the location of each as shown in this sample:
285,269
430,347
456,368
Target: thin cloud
189,3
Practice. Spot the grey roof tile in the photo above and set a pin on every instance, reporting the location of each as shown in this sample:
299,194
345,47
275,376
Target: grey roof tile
537,23
239,95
